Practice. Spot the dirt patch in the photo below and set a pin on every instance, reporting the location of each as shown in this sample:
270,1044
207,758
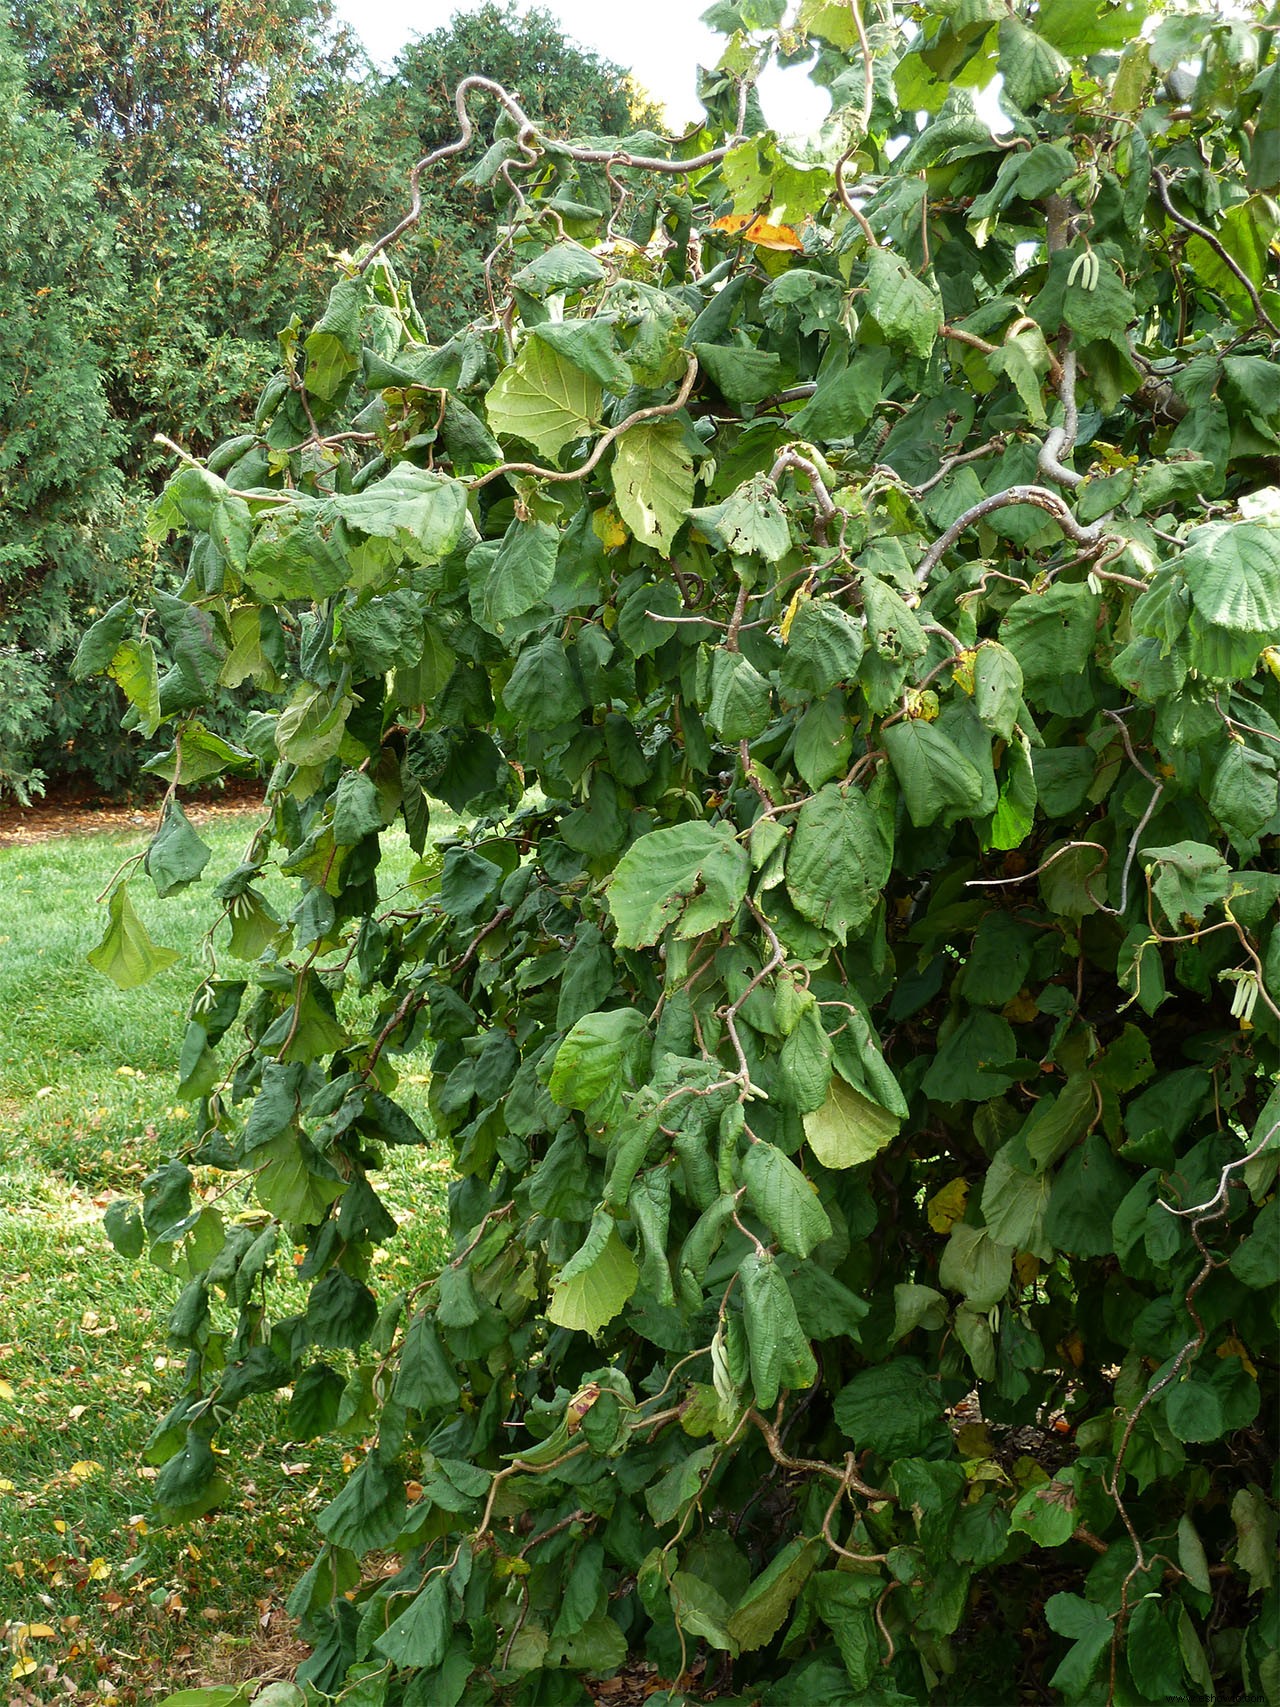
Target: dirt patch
80,812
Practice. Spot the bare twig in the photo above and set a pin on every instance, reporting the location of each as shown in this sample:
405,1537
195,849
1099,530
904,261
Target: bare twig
827,510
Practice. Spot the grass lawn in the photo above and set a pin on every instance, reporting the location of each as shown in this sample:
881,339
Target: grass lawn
96,1605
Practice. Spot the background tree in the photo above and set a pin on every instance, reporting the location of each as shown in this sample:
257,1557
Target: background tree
59,481
234,154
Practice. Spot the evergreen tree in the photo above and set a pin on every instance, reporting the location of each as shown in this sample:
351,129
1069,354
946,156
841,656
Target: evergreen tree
59,487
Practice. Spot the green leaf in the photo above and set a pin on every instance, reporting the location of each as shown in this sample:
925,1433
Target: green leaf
1030,66
309,730
824,646
740,698
102,640
423,512
1187,879
1245,795
594,1285
934,774
845,400
974,1264
905,309
750,522
848,1128
1086,1194
565,266
765,1603
779,1352
743,373
997,688
824,741
1085,26
357,809
1264,154
602,1051
426,1380
516,578
1152,1650
591,345
690,876
893,1409
1233,571
1090,1629
123,1225
419,1636
1255,1537
176,856
333,348
370,1509
543,689
784,1200
1193,1410
133,669
653,481
1051,634
544,399
126,953
839,860
1048,1513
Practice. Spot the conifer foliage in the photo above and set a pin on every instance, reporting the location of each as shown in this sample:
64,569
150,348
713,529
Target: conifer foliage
840,592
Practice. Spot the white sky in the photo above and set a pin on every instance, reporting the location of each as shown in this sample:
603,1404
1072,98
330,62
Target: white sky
661,41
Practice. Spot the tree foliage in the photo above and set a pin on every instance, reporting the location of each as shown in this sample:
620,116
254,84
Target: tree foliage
218,157
840,591
59,487
235,154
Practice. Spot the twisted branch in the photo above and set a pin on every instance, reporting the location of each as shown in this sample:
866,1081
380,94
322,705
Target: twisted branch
1040,497
528,138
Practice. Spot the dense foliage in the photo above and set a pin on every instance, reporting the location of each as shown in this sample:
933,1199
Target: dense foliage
186,177
59,485
841,590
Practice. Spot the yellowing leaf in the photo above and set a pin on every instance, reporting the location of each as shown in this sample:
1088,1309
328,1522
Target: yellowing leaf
1232,1347
27,1632
758,231
83,1468
790,614
947,1206
23,1667
607,526
849,1128
6,1391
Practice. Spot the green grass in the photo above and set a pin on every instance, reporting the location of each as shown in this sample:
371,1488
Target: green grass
88,1105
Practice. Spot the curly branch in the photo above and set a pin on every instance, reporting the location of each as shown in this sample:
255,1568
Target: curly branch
1040,497
527,139
1060,441
1206,236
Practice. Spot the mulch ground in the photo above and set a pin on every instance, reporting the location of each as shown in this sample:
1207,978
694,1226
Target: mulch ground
71,811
